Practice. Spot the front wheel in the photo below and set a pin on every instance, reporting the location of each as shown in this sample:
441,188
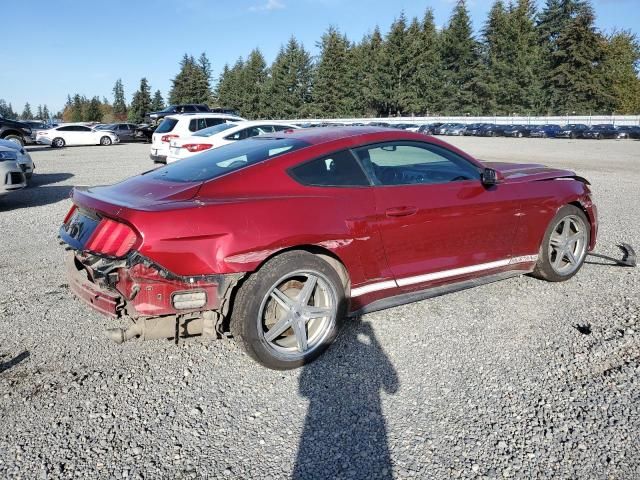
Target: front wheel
564,246
288,312
106,141
57,142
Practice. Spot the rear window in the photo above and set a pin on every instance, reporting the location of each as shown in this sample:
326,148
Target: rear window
223,160
207,132
167,125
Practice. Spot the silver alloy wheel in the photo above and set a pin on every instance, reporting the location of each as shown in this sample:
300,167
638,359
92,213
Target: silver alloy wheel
105,141
297,314
58,142
568,245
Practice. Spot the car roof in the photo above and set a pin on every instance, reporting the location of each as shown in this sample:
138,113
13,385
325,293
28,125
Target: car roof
225,116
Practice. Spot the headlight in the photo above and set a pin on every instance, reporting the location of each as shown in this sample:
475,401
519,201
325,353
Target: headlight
8,155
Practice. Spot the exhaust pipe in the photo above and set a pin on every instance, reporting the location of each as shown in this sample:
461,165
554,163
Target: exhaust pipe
155,328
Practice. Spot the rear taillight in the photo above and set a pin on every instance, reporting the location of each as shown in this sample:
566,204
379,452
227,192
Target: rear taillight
111,238
167,138
68,216
197,147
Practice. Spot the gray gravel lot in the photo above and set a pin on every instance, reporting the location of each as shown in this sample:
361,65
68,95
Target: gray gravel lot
494,382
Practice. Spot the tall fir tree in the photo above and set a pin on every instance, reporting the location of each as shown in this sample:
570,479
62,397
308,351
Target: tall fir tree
6,110
158,102
93,112
622,59
191,84
230,90
27,114
426,57
140,103
460,62
119,102
253,78
45,113
39,115
331,78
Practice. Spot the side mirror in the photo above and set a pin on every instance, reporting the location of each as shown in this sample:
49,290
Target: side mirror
490,177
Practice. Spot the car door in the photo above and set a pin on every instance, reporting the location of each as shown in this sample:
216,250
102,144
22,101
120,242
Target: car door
437,220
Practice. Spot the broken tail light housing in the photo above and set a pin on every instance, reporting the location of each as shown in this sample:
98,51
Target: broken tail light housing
112,238
70,213
197,147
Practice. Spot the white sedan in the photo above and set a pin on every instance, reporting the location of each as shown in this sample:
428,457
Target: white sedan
11,176
219,135
75,135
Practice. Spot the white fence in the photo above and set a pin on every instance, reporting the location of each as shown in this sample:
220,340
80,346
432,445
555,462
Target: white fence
508,120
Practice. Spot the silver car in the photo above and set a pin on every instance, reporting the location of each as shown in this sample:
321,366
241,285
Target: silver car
23,158
11,175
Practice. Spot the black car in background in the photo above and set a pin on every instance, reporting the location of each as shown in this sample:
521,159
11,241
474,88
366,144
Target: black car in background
473,129
599,132
544,131
490,130
126,131
429,128
572,130
175,109
17,132
629,131
517,131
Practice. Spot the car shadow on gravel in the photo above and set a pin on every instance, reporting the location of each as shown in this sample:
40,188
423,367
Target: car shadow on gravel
345,434
14,361
39,192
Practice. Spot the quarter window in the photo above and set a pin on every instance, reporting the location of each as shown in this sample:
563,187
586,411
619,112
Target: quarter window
409,163
338,170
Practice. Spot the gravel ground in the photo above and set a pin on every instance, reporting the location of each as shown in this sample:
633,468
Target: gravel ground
521,379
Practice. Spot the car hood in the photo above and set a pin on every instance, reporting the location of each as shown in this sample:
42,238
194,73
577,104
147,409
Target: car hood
137,193
528,172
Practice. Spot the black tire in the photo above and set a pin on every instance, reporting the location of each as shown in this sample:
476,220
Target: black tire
58,142
105,141
520,135
16,139
573,136
543,269
255,292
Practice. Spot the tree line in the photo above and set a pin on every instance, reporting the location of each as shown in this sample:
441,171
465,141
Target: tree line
552,61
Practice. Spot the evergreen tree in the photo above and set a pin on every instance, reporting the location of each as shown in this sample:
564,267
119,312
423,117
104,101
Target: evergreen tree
191,84
6,110
158,102
253,78
460,62
93,112
230,89
27,114
426,56
140,103
39,112
371,84
119,103
622,59
577,76
45,113
77,108
331,79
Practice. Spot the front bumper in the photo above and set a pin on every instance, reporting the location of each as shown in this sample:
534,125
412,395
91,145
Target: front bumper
12,180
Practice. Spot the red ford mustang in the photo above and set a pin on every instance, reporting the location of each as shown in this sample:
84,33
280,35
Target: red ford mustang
277,239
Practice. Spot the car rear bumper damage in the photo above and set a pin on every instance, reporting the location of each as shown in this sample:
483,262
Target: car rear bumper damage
159,303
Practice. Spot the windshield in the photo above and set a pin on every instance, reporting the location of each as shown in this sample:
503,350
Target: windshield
226,159
207,132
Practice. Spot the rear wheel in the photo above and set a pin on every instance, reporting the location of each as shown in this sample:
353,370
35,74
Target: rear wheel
564,246
15,139
288,312
106,141
520,135
57,142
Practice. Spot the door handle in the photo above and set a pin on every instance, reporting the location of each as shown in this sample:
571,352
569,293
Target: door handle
403,211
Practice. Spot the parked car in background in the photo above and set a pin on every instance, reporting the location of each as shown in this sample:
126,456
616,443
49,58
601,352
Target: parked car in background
177,109
14,131
72,135
473,129
491,130
572,130
36,126
600,132
177,126
277,238
126,131
544,131
456,129
429,128
23,159
11,175
628,131
219,135
410,127
518,131
442,129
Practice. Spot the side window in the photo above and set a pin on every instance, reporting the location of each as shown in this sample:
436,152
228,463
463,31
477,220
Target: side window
240,135
65,129
197,124
255,131
211,122
340,170
280,128
406,164
80,128
189,108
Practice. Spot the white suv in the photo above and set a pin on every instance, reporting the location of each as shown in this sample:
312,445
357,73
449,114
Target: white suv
184,125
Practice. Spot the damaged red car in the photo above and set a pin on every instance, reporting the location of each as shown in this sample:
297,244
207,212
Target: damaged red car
277,239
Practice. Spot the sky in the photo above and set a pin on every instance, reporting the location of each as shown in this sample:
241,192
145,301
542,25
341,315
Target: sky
51,49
